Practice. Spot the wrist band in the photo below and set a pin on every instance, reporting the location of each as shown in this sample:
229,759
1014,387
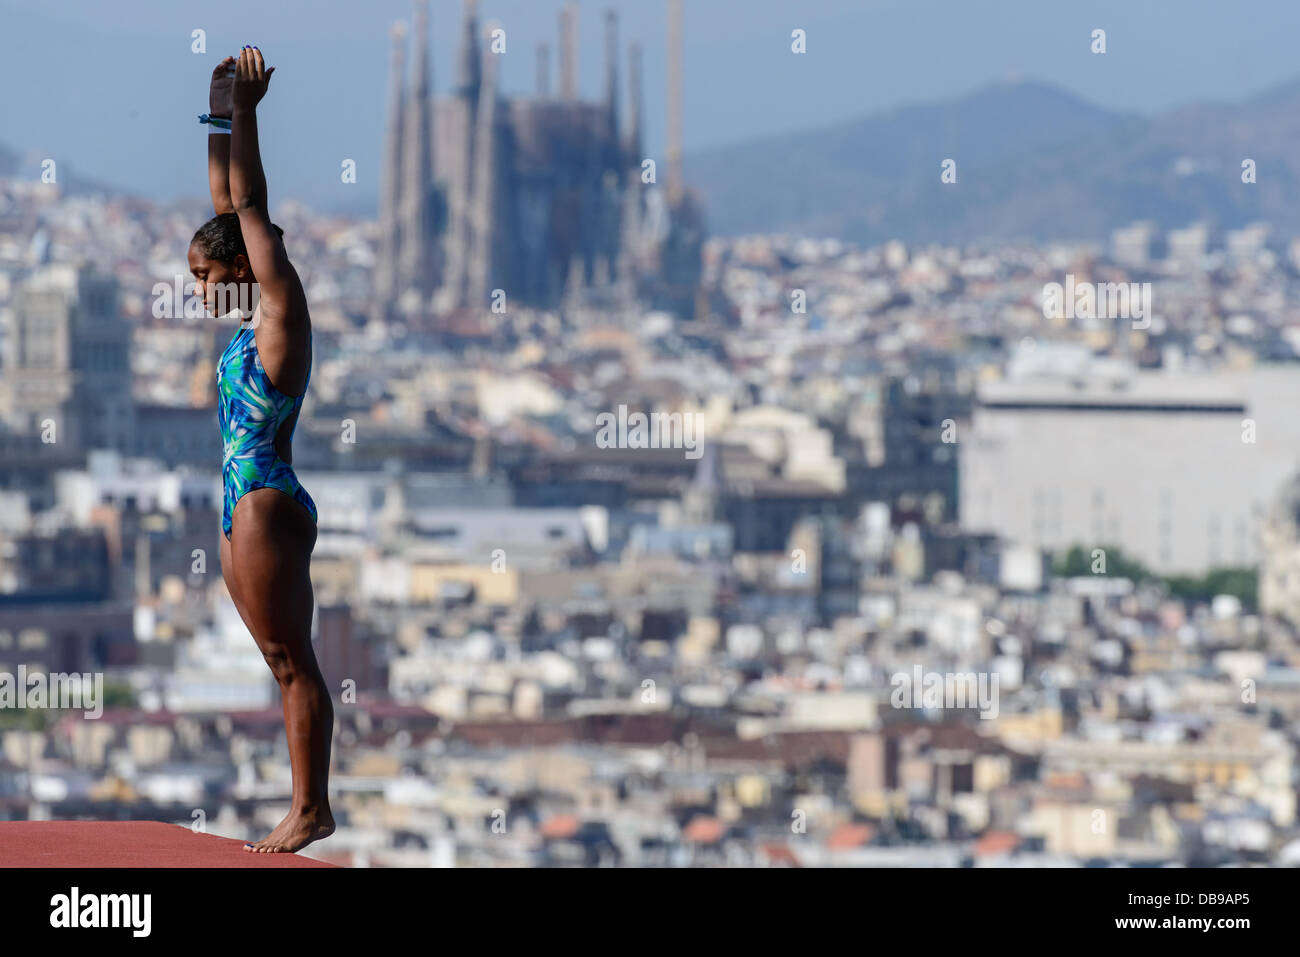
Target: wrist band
218,122
213,131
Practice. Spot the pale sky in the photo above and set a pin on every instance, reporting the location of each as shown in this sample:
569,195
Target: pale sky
113,89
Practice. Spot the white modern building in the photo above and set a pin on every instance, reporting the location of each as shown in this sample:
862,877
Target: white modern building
1177,471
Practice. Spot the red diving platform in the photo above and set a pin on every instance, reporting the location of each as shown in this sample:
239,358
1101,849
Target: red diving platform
129,844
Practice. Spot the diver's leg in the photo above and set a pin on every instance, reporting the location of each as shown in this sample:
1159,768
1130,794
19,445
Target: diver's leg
272,539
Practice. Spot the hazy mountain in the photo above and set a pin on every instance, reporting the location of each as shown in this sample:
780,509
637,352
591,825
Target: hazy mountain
1033,162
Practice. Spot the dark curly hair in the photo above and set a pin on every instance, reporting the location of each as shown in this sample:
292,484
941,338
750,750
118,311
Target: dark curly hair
221,239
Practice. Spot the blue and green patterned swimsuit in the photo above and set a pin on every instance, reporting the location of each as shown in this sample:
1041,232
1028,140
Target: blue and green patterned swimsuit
251,410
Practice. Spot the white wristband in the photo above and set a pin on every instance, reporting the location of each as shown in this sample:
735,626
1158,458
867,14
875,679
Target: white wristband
216,129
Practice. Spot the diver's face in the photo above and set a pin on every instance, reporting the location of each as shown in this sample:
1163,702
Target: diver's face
213,277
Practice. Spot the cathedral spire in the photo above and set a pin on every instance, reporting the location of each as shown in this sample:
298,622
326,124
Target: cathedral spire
469,67
416,259
385,281
634,104
569,51
460,174
611,72
484,250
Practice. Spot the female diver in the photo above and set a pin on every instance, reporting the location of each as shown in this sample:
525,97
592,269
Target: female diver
268,519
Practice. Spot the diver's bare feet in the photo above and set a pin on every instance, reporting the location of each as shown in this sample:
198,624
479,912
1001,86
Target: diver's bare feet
296,831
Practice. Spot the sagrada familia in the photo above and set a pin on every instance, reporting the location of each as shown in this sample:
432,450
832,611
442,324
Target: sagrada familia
537,198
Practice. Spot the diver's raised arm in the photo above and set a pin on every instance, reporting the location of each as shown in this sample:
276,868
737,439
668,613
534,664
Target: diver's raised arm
220,106
284,328
247,180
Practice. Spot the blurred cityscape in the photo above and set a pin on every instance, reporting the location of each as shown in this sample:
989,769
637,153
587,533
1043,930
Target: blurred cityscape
862,474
